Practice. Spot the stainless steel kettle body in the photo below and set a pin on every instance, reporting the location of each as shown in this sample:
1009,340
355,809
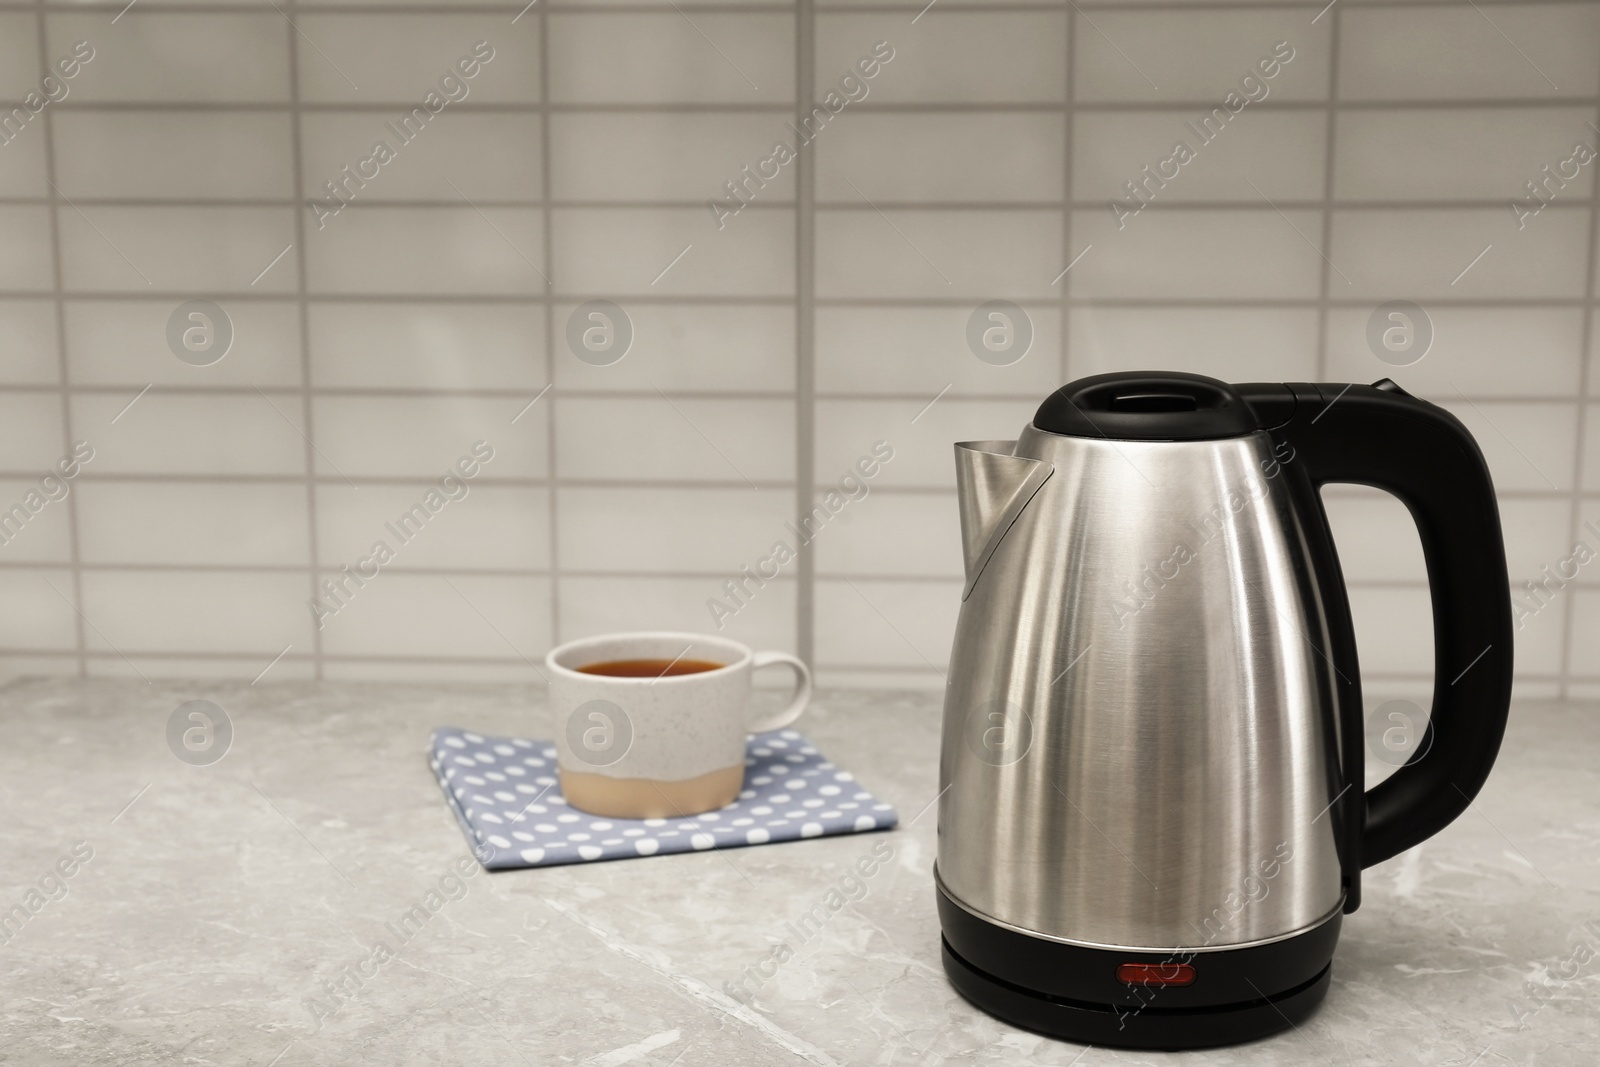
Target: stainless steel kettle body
1136,719
1147,833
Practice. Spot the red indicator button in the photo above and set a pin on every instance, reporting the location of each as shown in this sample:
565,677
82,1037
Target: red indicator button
1160,974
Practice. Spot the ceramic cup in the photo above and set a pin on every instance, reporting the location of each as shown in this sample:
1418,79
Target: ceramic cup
655,748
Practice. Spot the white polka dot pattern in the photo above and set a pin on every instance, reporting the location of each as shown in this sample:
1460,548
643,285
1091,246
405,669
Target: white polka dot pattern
791,792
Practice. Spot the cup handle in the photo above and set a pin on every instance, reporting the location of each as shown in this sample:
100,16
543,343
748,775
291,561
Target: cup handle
802,691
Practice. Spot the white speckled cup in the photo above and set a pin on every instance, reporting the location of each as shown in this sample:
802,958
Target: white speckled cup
645,748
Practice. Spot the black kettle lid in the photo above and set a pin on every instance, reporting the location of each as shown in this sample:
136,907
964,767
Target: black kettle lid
1146,406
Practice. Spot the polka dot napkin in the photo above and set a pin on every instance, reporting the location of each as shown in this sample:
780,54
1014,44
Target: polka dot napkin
504,793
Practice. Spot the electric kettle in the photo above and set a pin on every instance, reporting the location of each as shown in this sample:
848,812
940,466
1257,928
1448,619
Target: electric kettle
1153,812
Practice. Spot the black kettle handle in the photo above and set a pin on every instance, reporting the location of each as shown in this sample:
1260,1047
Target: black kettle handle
1379,435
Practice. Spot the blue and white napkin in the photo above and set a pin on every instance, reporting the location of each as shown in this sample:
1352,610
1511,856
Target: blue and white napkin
504,792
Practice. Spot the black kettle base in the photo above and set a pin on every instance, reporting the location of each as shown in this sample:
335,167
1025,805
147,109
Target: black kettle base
1229,995
1131,1027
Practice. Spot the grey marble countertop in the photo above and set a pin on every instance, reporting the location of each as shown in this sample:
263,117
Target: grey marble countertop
210,911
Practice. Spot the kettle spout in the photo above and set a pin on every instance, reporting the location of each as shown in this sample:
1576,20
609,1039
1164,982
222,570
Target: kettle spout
992,488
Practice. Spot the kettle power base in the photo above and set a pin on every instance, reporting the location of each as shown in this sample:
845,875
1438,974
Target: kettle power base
1130,1027
1073,992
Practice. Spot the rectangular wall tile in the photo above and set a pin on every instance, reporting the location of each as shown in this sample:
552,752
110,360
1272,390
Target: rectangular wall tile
606,605
966,57
358,345
471,617
893,534
847,431
1539,637
909,625
160,155
1279,153
923,350
22,164
34,525
1537,535
1186,253
1471,54
471,525
28,338
1375,536
195,611
1591,449
211,523
25,254
1394,630
1500,351
1428,252
125,343
37,616
30,431
1202,56
663,531
194,249
1540,561
1234,344
1585,650
598,156
712,348
447,157
1378,541
165,433
19,55
1527,446
426,437
911,253
1406,154
616,251
992,157
666,57
412,59
170,58
366,248
683,439
1589,533
22,142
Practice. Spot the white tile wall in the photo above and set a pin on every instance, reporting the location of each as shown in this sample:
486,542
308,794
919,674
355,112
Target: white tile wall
373,348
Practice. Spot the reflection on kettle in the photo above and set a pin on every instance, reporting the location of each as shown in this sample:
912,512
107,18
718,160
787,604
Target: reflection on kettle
1153,812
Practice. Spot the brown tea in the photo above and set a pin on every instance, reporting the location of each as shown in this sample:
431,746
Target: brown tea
649,668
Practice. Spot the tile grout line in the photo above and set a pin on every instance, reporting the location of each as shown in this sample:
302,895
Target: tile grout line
63,372
1068,128
346,7
1050,106
517,393
1569,610
1329,151
804,338
297,153
552,475
944,205
428,299
171,478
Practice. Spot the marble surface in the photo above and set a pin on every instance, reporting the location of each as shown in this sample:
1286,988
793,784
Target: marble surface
222,905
